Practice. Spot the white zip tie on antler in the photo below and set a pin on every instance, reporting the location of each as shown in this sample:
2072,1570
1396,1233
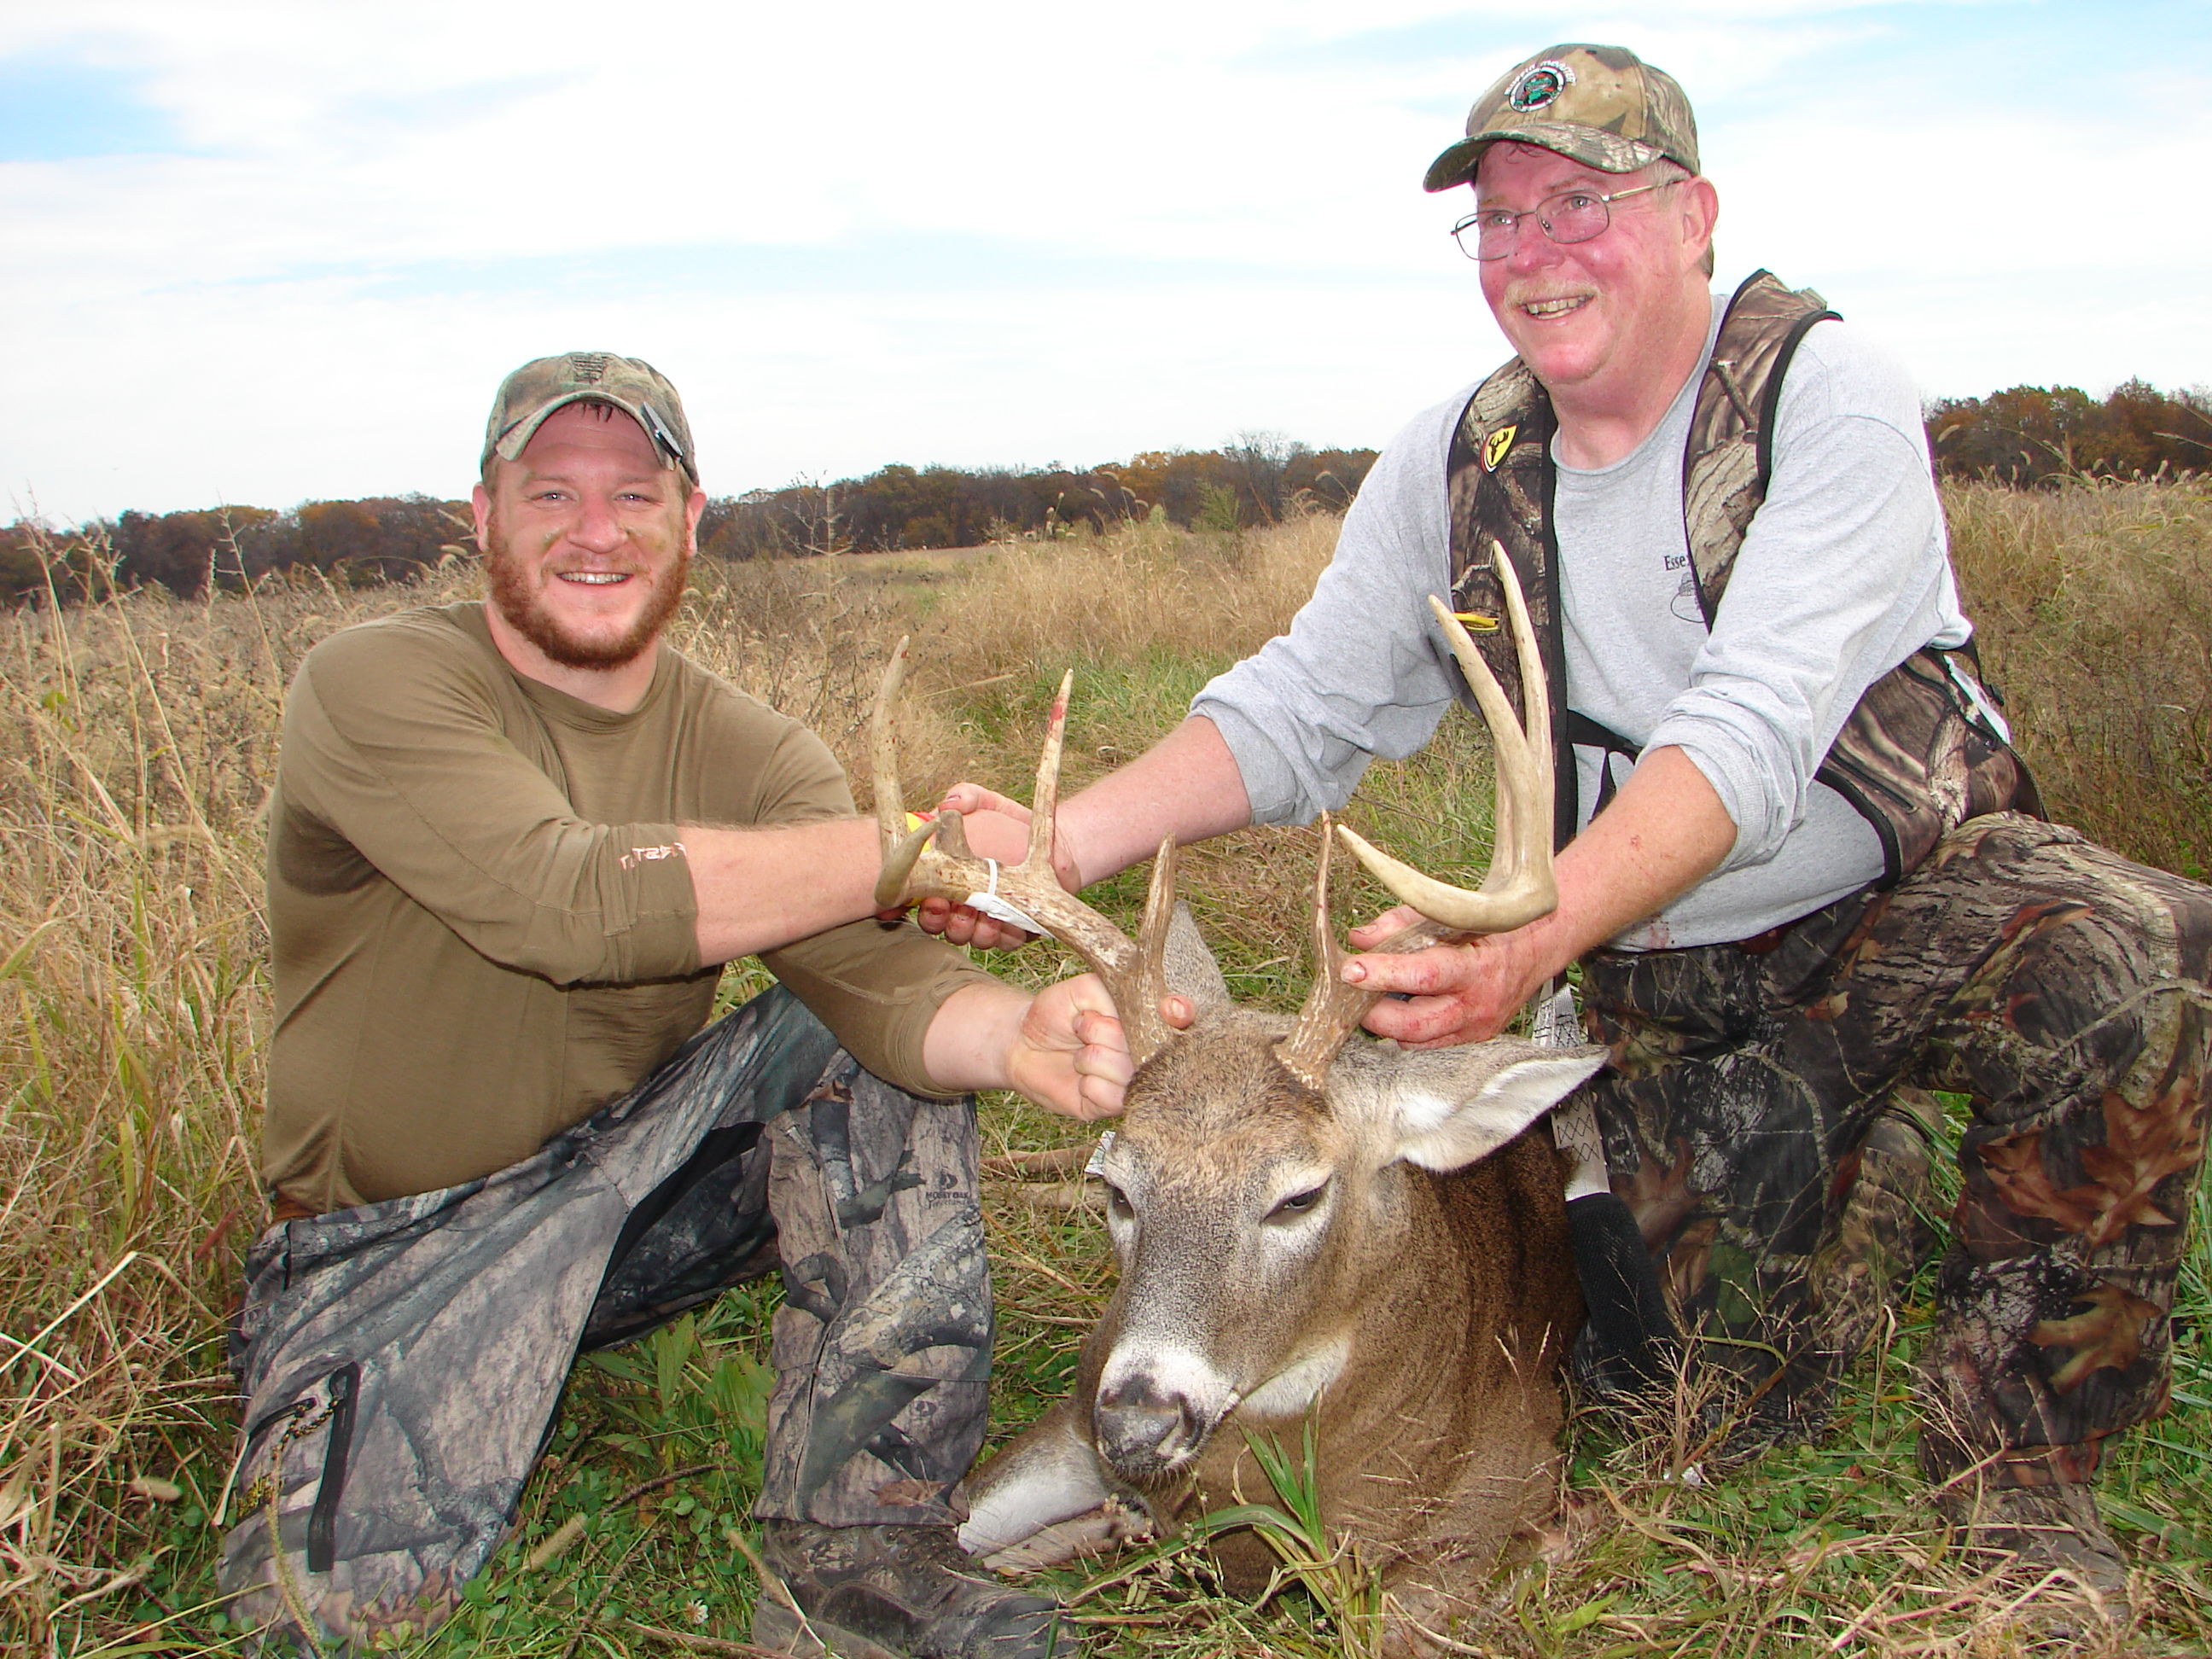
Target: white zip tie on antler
997,908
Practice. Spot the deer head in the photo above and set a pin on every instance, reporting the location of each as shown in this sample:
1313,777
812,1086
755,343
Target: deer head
1268,1168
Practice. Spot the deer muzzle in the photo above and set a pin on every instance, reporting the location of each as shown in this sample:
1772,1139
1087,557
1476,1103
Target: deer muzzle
1146,1426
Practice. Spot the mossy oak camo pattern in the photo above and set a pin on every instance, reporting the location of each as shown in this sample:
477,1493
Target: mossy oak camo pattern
1762,1110
1602,106
402,1361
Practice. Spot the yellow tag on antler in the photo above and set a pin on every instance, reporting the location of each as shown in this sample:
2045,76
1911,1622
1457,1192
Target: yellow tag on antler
1475,622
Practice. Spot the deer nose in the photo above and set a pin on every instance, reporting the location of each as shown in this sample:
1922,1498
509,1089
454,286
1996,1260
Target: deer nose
1144,1429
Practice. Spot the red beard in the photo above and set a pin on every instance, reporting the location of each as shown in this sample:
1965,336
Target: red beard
523,609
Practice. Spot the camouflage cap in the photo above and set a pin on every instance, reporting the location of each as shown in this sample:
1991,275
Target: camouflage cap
1602,106
629,384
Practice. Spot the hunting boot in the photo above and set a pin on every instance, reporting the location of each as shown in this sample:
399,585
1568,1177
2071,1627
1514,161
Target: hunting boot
2032,1532
2031,1517
895,1593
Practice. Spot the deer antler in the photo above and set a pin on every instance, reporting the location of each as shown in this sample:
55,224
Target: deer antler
934,861
1516,890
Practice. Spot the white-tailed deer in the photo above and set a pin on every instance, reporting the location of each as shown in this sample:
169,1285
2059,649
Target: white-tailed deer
1308,1226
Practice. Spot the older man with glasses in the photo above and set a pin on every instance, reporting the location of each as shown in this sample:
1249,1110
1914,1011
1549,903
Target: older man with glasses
1805,879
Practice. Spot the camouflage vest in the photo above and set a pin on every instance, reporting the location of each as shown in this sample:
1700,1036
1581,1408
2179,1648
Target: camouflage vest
1924,749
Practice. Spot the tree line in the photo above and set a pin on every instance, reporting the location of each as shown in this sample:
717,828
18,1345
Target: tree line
2034,435
2026,436
1256,479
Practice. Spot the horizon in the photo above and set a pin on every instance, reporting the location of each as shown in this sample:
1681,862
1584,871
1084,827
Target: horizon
275,255
752,492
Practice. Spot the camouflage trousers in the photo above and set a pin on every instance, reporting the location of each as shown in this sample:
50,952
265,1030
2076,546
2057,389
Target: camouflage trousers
402,1362
1764,1121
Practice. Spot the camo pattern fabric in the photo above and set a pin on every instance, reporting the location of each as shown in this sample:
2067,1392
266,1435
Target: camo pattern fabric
402,1362
1602,106
882,1344
1757,1120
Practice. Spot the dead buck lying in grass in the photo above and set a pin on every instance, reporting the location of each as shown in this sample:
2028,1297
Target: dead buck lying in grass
1308,1226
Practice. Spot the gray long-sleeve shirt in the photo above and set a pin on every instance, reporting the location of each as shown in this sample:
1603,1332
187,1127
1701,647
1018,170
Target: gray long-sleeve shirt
1844,574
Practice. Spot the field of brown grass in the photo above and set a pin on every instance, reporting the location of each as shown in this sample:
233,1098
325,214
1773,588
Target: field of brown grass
137,744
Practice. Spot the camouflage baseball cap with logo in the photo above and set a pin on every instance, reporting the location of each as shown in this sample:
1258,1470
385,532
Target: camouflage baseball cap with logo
1602,106
629,384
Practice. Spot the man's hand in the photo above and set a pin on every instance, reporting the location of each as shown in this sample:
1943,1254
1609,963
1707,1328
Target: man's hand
1187,786
997,827
1460,993
1072,1056
1662,834
1064,1047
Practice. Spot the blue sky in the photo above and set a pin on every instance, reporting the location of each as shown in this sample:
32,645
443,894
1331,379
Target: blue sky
262,252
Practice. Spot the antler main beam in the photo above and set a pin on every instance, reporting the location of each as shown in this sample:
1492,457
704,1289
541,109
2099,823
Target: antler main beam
934,861
1517,888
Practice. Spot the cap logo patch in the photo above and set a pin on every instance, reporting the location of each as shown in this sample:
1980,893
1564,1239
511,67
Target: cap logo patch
1539,85
587,367
1495,446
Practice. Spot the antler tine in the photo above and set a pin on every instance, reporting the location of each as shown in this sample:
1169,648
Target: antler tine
1333,1009
1519,887
1535,701
901,846
934,861
1138,999
1044,804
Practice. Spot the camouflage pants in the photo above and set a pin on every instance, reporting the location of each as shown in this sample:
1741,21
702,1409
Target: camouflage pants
1759,1118
402,1361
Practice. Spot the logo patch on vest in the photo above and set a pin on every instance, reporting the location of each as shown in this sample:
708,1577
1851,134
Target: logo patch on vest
1540,84
1495,446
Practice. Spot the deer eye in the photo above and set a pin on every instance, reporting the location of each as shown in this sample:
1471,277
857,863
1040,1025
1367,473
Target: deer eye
1298,1204
1118,1205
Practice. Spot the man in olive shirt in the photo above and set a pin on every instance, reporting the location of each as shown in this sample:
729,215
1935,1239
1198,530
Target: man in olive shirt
510,847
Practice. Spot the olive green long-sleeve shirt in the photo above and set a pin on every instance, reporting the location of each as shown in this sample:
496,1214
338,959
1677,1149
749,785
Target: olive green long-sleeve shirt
481,919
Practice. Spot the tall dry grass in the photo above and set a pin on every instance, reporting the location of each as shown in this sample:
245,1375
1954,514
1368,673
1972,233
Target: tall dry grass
137,743
138,737
2094,603
137,740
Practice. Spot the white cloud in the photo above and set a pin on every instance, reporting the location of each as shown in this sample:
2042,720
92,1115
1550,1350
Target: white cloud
1152,225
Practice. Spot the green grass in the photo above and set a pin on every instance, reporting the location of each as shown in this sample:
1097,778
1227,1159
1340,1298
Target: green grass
134,748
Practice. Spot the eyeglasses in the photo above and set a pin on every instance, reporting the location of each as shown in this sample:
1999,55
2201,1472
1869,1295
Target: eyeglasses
1572,215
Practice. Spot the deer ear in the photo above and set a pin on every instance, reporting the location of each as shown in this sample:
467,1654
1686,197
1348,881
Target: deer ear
1455,1105
1190,969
